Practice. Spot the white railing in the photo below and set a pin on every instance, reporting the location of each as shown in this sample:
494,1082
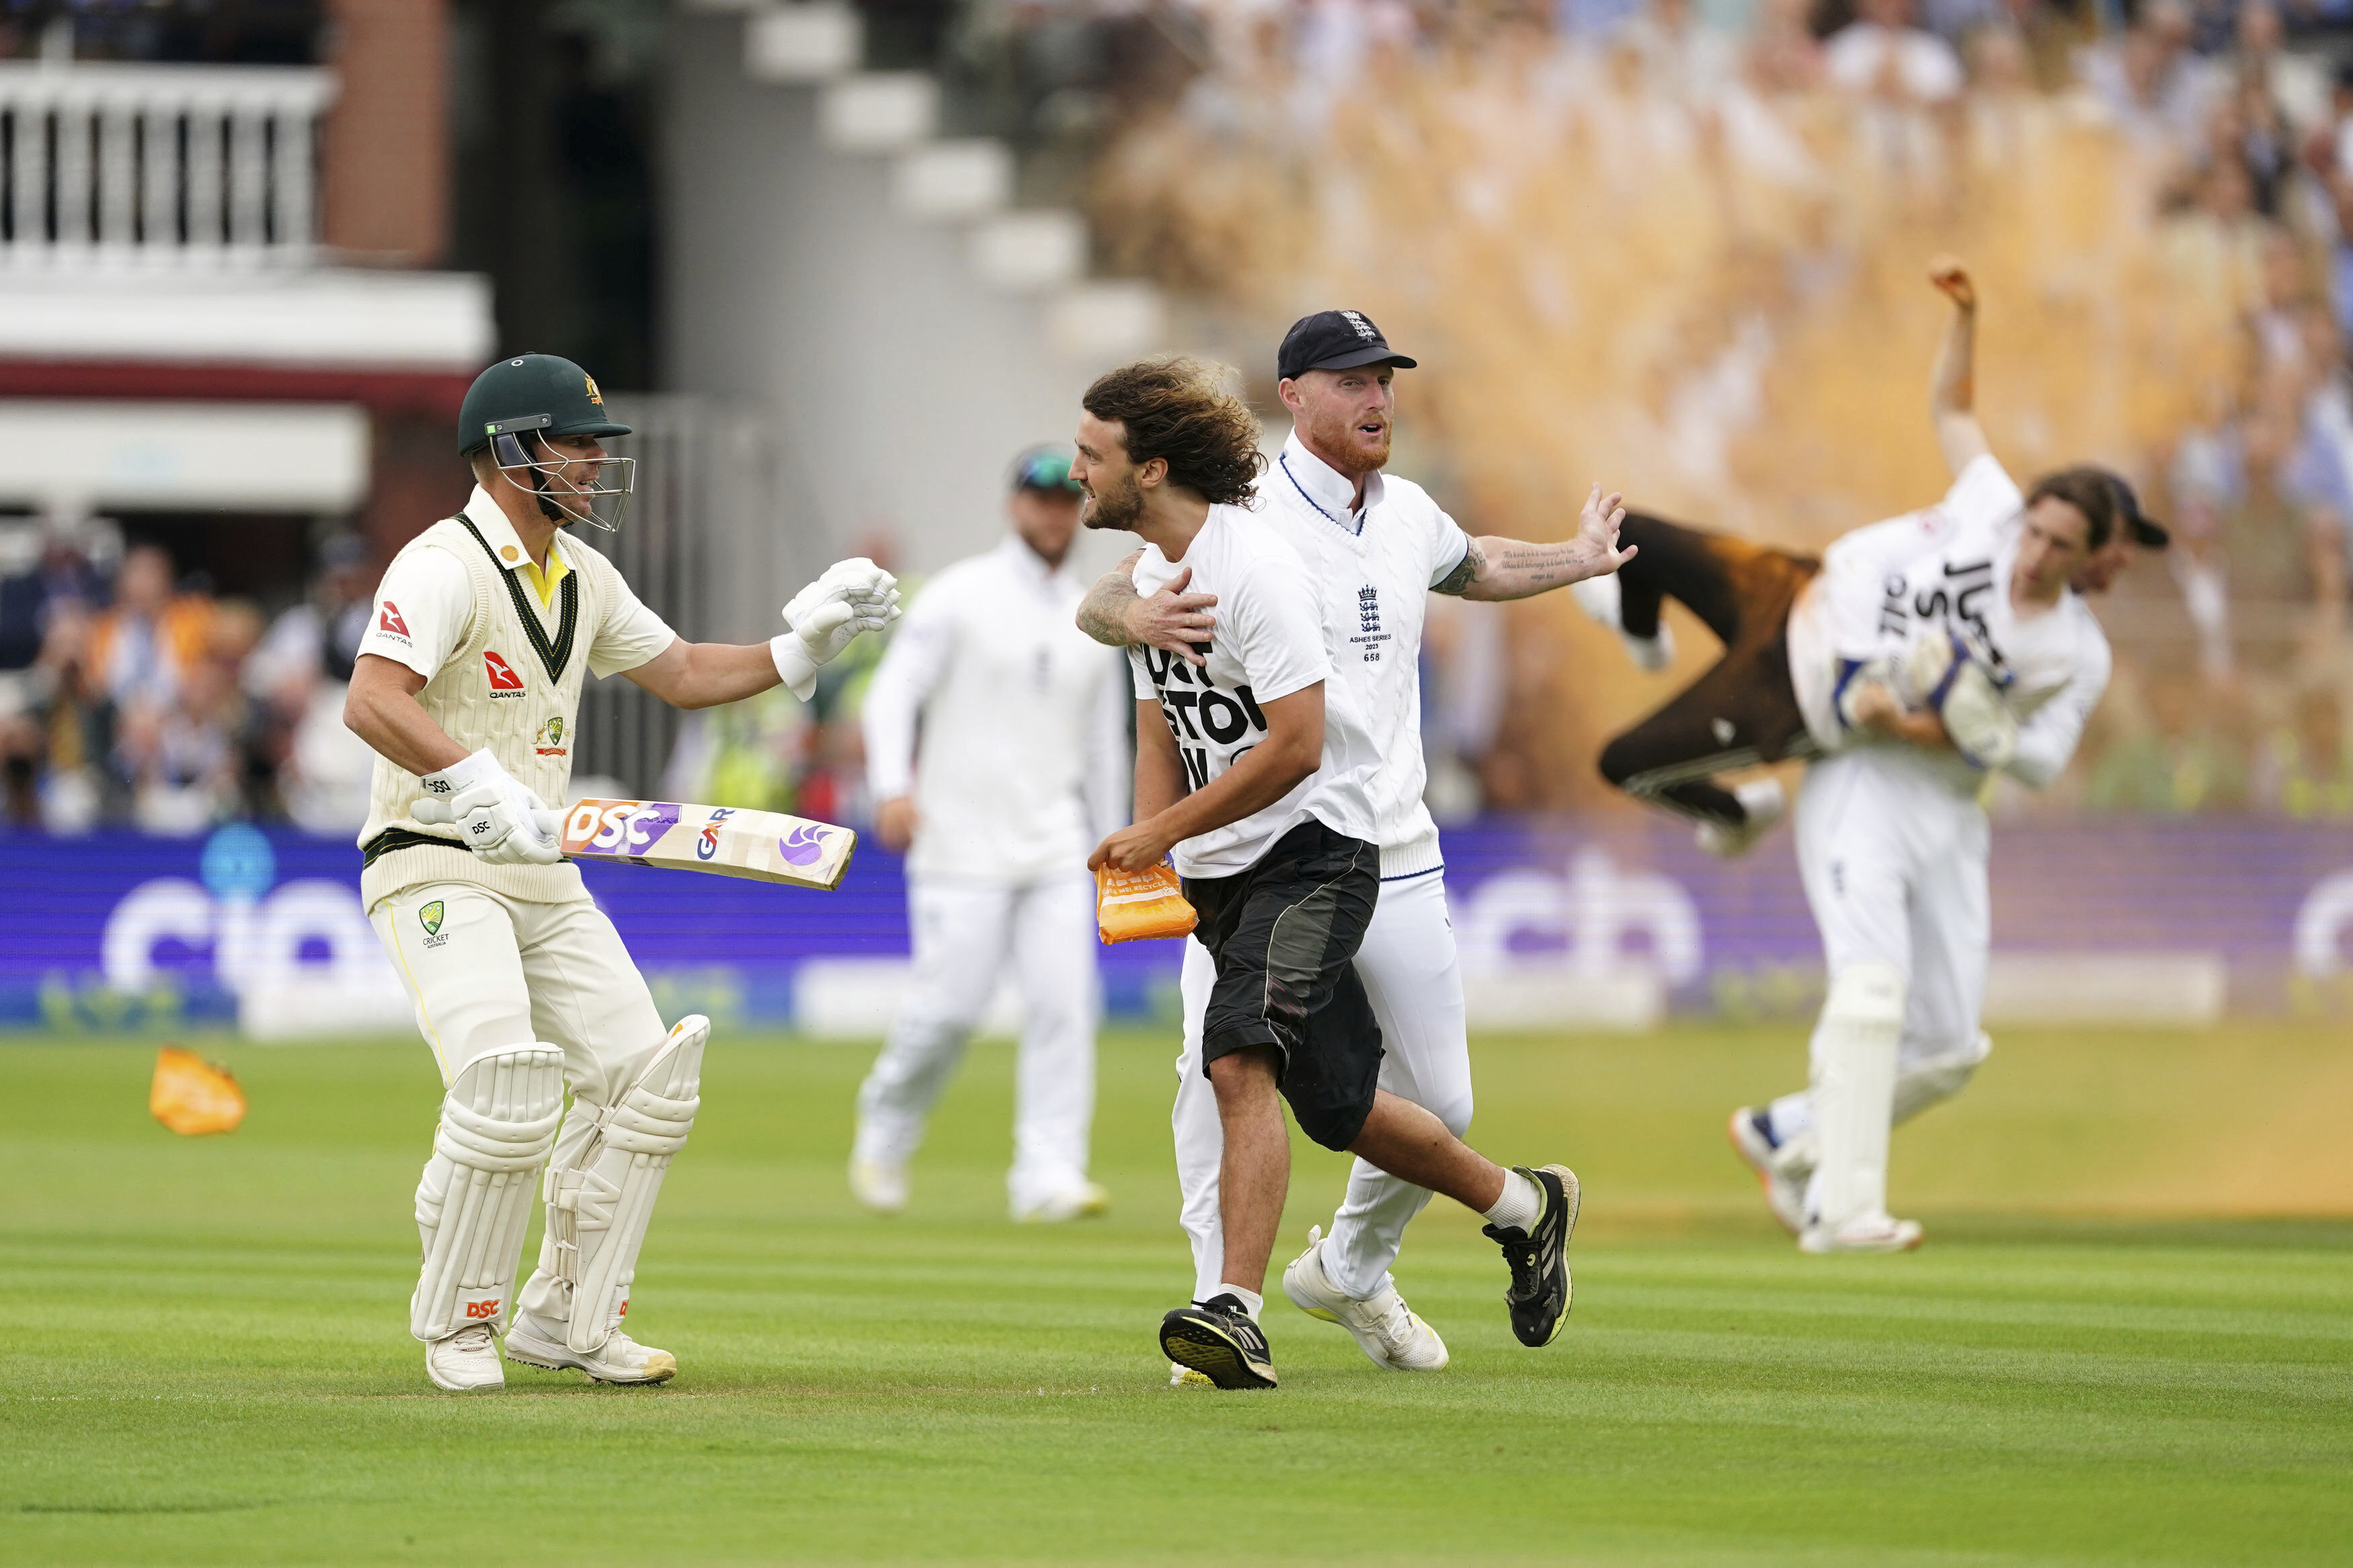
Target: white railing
159,165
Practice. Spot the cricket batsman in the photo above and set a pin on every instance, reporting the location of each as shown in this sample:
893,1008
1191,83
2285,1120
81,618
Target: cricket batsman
996,741
468,688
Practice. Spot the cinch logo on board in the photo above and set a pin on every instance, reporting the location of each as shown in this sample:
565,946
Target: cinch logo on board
504,682
390,621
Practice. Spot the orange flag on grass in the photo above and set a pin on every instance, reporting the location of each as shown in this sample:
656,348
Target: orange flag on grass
193,1095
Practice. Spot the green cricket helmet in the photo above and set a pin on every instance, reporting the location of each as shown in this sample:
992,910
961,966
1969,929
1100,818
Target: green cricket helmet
517,406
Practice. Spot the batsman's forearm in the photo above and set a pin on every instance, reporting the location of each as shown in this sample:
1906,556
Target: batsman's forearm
398,729
1103,615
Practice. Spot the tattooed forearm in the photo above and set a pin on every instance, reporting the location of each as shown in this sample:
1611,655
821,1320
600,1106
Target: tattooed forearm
1514,569
1466,572
1102,615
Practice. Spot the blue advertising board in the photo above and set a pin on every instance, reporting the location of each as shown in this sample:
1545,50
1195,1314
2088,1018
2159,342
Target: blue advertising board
120,927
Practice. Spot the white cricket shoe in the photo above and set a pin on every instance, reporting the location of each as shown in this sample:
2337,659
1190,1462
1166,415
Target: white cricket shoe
466,1362
1785,1191
1084,1201
1387,1329
880,1188
1864,1233
1764,801
619,1358
1182,1376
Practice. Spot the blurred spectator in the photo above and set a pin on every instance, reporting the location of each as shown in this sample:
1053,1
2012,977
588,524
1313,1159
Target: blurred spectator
62,572
320,638
1881,56
57,733
144,644
2148,81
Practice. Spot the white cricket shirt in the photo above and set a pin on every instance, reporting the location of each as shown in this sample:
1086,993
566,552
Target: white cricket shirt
1951,565
1007,722
1274,637
1375,565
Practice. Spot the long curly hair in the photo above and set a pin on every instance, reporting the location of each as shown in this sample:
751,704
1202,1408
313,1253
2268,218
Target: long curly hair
1179,409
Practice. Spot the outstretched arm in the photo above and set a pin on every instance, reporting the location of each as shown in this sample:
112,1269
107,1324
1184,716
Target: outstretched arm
1170,619
1952,394
1494,568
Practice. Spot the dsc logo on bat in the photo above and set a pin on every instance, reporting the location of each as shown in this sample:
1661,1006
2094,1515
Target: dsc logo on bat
617,826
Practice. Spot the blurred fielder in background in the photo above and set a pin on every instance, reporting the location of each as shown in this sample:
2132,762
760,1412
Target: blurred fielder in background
1924,654
1375,547
996,747
468,687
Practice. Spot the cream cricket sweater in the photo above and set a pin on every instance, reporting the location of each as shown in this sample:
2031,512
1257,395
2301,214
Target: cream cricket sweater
512,684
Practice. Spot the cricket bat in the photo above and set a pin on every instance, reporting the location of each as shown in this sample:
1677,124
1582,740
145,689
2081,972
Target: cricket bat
765,846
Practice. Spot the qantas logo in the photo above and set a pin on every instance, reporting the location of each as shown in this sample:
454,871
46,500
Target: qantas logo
390,621
504,682
481,1308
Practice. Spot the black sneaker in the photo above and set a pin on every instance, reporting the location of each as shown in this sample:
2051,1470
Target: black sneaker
1216,1338
1538,1296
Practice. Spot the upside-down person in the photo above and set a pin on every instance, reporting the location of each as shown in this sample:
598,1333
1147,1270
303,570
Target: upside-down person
1256,768
468,687
1925,654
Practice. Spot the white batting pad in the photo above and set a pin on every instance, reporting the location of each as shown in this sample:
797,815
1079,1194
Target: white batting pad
497,1123
597,1207
1854,1089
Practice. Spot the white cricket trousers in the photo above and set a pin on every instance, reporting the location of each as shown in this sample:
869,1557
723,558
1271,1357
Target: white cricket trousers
1407,966
487,972
1895,868
966,936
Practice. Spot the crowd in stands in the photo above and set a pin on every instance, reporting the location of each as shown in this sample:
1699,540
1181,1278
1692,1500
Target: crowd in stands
130,694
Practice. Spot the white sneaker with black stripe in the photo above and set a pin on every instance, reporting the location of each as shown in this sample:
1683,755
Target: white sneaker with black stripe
1385,1328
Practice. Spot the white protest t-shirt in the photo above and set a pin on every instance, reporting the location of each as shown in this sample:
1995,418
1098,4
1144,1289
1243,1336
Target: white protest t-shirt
1375,565
1273,638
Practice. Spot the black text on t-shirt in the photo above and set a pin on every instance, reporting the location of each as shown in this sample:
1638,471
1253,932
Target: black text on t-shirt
1202,715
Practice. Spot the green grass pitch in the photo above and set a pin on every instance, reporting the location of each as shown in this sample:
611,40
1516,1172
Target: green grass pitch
2104,1354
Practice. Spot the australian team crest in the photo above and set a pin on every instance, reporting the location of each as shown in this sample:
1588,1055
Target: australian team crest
549,741
430,917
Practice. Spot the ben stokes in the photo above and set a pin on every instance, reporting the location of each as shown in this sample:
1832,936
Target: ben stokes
1255,769
468,687
1375,545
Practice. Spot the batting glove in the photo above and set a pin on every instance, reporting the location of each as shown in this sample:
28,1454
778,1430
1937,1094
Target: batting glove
852,596
499,820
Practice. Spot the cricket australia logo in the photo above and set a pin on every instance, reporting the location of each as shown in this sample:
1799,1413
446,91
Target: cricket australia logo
430,917
549,741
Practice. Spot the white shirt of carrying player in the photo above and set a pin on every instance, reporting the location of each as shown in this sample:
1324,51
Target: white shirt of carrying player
1021,764
1374,562
467,687
1892,841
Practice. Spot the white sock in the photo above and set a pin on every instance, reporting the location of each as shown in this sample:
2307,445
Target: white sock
1252,1303
1521,1205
